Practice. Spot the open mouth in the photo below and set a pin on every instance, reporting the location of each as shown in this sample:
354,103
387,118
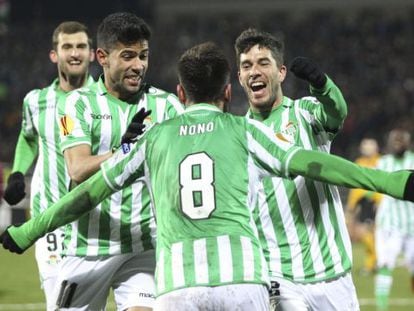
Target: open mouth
257,86
133,80
75,62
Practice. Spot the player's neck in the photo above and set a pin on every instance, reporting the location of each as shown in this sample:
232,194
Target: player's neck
71,83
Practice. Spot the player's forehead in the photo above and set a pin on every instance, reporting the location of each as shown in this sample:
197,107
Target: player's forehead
137,47
256,53
72,38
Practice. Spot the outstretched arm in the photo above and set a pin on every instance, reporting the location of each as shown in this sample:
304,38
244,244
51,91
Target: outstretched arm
338,171
69,208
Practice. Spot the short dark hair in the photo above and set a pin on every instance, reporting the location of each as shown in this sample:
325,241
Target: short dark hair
204,71
251,37
122,27
69,27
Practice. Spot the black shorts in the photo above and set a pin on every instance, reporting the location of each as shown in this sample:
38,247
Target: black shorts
366,211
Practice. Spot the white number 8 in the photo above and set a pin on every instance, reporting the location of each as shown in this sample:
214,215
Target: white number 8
197,186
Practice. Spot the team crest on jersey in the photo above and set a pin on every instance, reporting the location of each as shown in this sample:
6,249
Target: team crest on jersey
288,133
66,125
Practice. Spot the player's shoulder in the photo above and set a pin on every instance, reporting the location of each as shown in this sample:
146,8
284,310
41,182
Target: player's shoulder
156,92
36,96
306,101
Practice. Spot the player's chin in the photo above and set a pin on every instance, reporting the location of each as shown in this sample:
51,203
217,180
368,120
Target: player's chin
132,88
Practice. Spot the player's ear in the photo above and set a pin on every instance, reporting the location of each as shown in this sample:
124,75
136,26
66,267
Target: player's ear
181,94
91,55
101,57
282,73
227,93
53,56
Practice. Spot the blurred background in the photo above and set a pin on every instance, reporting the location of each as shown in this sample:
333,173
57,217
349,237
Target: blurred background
365,46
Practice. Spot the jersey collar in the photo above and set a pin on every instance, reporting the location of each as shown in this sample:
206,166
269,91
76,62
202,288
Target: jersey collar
202,106
286,102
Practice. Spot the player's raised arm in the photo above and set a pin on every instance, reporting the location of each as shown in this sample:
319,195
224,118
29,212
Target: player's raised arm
333,109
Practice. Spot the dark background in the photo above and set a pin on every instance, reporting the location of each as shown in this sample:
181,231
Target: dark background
365,46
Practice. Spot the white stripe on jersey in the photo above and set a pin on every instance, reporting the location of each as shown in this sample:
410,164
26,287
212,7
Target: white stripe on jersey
32,99
309,218
50,119
115,223
106,131
160,271
177,264
248,258
270,235
161,115
93,231
288,222
200,261
225,259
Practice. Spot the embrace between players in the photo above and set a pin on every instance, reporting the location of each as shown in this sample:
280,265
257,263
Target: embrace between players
243,215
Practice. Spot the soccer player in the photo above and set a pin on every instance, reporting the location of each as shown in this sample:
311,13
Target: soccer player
39,138
394,233
361,206
203,187
113,245
301,222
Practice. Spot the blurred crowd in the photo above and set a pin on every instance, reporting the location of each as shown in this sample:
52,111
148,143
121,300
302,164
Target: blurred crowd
366,52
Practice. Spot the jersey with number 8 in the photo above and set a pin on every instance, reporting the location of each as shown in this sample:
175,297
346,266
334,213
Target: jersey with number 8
203,167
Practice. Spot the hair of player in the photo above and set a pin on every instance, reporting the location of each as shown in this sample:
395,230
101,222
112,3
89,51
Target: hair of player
69,27
204,72
122,27
251,37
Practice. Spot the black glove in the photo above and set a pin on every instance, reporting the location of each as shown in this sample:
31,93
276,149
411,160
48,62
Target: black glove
14,192
136,127
304,68
9,243
409,188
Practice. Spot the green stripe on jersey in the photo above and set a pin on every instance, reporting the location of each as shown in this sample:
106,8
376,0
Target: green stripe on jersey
124,222
301,222
393,214
205,229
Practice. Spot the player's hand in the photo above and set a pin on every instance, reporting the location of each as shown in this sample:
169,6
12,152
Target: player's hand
409,188
304,68
9,243
136,127
14,192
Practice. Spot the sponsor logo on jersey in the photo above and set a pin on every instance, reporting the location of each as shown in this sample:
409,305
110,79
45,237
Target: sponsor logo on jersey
288,132
66,125
146,295
97,116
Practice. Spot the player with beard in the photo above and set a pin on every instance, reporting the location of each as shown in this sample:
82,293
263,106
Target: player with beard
113,245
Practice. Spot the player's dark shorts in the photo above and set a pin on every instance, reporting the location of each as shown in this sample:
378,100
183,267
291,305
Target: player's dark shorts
366,212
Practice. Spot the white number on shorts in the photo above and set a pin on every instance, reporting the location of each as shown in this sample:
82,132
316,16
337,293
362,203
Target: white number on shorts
197,186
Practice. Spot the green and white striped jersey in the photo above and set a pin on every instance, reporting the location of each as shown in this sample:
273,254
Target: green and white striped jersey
50,179
393,214
203,187
124,222
301,222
